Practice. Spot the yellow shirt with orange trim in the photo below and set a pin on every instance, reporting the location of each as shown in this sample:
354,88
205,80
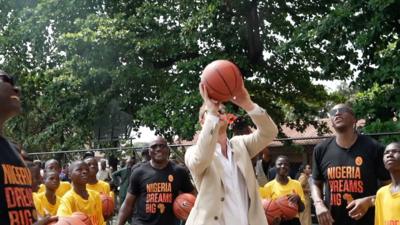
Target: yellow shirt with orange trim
61,190
387,206
44,207
101,187
92,207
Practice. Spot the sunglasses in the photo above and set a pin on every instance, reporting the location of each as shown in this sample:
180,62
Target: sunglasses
333,112
7,79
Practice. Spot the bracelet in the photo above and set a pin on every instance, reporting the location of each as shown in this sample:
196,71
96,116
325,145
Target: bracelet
372,201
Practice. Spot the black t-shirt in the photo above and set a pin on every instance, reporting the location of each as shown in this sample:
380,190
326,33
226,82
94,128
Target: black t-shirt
349,174
155,191
16,201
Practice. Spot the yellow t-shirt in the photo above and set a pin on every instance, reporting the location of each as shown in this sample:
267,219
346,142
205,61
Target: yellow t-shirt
61,190
262,192
44,207
386,200
92,207
274,190
101,187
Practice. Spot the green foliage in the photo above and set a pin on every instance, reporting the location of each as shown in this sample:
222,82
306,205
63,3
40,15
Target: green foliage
73,58
378,103
381,127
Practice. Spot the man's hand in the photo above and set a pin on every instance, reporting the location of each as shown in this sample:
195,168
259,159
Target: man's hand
323,214
294,198
276,221
243,100
212,105
359,207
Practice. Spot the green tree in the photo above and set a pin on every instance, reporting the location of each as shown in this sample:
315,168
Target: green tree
74,57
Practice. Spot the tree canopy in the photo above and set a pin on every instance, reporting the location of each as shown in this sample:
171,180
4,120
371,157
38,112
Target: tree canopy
73,58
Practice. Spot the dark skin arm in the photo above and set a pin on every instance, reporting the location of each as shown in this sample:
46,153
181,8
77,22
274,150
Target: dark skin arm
359,207
323,214
126,209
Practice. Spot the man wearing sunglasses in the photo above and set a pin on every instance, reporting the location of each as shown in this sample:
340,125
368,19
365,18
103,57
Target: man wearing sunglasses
16,201
153,187
351,168
222,169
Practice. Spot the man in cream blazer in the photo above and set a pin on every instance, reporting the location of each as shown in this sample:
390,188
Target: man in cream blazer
222,170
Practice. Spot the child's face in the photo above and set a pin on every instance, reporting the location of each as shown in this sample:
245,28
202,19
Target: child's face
53,166
391,157
36,178
93,166
282,166
52,181
79,174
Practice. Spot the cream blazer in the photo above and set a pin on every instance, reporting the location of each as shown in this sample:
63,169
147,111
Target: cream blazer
205,170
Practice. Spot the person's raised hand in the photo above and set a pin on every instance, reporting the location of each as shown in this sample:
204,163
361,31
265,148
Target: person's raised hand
243,100
212,105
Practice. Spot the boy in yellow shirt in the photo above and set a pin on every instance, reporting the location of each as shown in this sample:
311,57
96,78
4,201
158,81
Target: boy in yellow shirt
54,165
47,202
282,185
94,184
79,198
388,197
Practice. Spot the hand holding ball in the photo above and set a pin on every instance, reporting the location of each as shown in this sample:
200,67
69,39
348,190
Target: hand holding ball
222,80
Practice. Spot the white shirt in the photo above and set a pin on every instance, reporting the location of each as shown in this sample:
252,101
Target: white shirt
236,203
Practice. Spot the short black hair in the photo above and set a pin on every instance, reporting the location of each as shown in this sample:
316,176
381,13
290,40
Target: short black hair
282,157
88,154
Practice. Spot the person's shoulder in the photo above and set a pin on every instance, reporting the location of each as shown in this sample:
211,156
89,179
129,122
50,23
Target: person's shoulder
294,182
70,194
93,193
383,189
140,167
103,183
323,144
178,167
65,184
369,140
270,183
39,195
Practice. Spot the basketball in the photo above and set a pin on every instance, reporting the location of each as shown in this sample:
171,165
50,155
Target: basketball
183,204
83,217
289,210
271,209
108,205
222,79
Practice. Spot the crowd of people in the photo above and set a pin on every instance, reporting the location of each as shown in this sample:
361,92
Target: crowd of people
353,178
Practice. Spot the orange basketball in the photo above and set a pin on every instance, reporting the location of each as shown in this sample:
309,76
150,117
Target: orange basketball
271,209
83,217
289,209
183,204
108,205
222,79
